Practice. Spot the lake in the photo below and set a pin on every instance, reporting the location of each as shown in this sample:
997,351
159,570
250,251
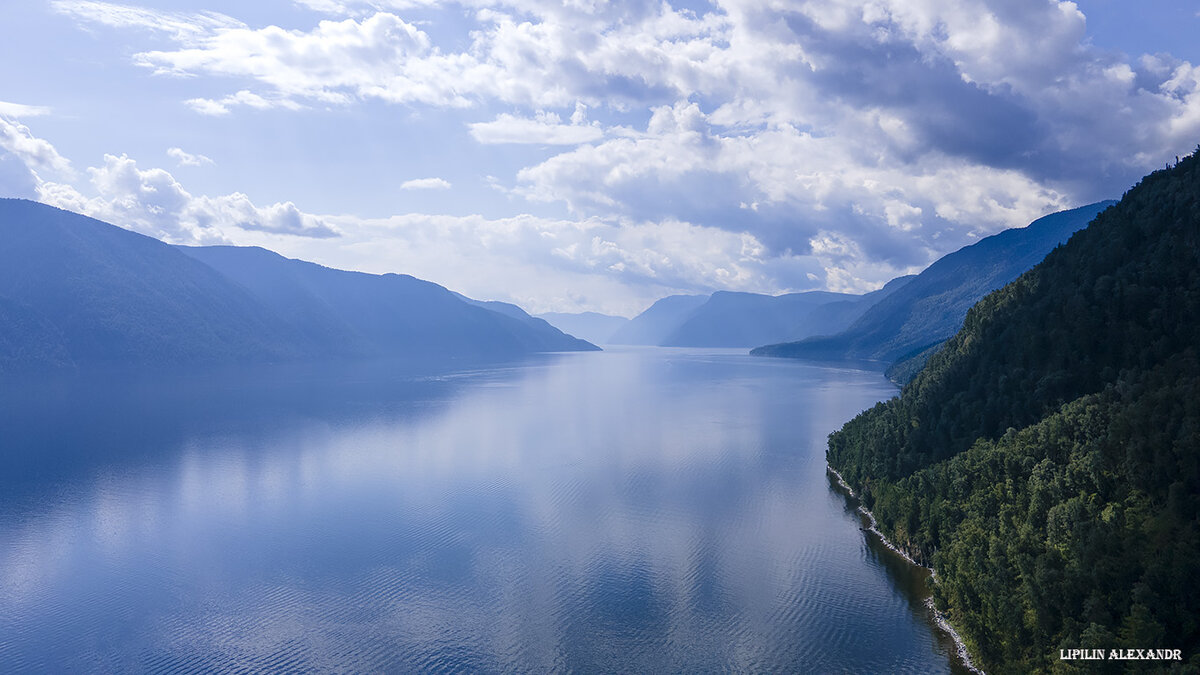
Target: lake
636,510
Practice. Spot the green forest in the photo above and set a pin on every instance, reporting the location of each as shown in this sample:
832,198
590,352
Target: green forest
1046,460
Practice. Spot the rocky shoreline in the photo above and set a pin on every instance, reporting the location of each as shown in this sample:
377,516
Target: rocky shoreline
939,618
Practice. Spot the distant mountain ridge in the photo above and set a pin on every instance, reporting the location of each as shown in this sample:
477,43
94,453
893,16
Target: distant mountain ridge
931,308
730,319
653,325
734,319
591,326
75,291
371,315
551,334
83,291
747,319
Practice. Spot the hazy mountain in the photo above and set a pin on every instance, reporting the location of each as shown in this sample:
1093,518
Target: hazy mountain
591,326
835,317
931,308
75,291
653,326
729,319
732,319
358,314
748,319
551,333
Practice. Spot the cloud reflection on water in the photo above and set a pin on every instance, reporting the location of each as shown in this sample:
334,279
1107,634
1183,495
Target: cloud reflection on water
644,509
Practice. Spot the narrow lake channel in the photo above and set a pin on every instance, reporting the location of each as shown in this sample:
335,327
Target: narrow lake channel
637,510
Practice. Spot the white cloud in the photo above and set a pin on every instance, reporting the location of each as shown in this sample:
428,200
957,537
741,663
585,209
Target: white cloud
548,264
20,110
153,202
352,7
425,184
187,158
207,106
184,27
850,139
380,56
545,128
35,153
618,265
150,201
793,188
1006,84
249,99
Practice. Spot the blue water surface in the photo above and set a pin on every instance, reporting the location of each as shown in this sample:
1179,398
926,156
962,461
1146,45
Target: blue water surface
636,510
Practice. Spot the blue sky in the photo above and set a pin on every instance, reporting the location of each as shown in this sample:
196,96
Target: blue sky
587,155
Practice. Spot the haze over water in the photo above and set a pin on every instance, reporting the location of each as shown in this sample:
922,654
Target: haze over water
637,510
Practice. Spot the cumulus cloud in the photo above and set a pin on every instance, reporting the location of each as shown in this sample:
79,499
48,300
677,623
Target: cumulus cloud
619,265
1003,84
560,264
150,201
855,138
380,56
999,83
16,180
545,128
425,184
186,158
153,202
788,187
26,160
35,152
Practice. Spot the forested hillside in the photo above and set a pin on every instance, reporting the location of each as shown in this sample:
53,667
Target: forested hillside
1046,461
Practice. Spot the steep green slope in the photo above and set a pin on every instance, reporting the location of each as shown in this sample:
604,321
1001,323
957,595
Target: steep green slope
931,308
1047,459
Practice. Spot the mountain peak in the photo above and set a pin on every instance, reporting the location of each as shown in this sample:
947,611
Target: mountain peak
931,307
